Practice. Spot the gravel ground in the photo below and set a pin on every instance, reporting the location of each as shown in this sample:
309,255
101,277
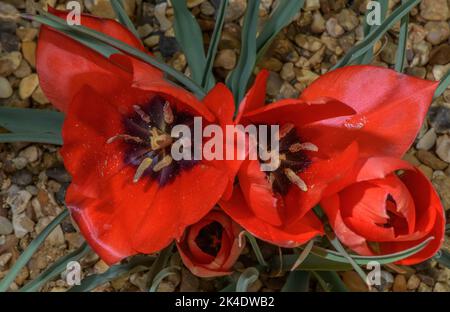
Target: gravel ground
33,179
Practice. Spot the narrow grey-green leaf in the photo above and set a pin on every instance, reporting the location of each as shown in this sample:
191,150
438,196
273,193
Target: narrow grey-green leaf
31,137
55,269
297,281
311,263
162,275
208,80
160,263
137,263
330,281
190,38
402,40
443,85
247,278
281,16
443,257
374,36
255,247
30,250
239,78
123,17
31,120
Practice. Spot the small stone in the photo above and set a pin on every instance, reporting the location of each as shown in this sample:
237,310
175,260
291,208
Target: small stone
439,117
438,32
271,64
424,288
442,185
168,46
9,63
100,267
56,237
9,42
226,59
440,55
23,70
333,28
287,72
318,23
179,61
427,141
312,5
144,30
235,10
160,14
207,8
427,171
18,201
31,153
419,72
189,282
152,41
5,88
422,52
22,225
39,96
28,85
103,8
441,287
413,282
409,157
443,148
27,33
306,76
434,10
287,91
29,52
309,43
431,160
274,83
4,258
8,13
58,174
389,53
348,19
22,177
6,227
354,282
166,286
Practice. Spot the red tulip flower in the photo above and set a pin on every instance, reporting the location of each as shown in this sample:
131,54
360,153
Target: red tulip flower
128,195
387,206
211,247
347,114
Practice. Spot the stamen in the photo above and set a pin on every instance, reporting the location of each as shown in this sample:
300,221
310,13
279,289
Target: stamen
145,164
307,146
168,113
159,140
285,129
295,179
141,113
163,163
125,137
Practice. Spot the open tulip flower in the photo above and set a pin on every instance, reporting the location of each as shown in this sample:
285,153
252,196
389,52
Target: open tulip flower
340,145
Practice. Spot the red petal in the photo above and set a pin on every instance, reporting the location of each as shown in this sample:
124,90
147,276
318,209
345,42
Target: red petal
256,95
65,65
288,236
390,106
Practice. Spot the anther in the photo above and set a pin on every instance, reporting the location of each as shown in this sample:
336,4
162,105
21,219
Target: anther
144,116
168,113
163,163
145,164
125,137
159,140
307,146
295,179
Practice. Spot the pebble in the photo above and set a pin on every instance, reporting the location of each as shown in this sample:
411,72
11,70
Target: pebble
333,28
413,282
27,33
39,96
168,46
348,19
443,148
438,32
424,288
31,153
4,258
207,8
427,171
22,225
309,43
22,177
9,42
9,63
29,52
287,72
236,8
8,12
5,88
312,5
431,160
440,55
28,85
439,117
318,23
434,10
442,185
389,52
160,14
441,287
427,141
354,282
274,83
58,174
272,64
18,201
56,237
152,41
23,70
287,91
5,226
226,59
